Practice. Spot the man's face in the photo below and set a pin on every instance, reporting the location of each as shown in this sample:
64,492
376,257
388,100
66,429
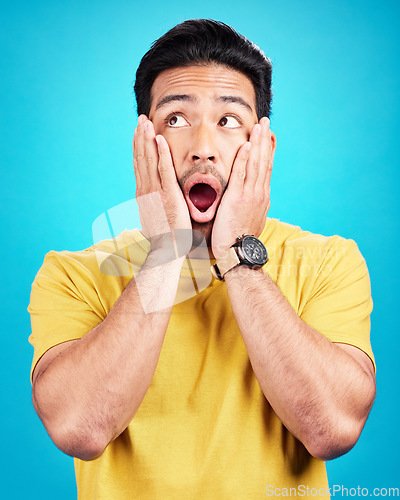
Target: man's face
205,113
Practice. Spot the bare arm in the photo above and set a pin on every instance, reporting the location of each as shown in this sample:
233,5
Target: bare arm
87,391
90,392
321,391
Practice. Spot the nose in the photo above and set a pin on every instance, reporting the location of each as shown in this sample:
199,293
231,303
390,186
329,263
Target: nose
203,146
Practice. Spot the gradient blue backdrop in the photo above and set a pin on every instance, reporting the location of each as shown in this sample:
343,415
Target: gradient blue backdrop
67,120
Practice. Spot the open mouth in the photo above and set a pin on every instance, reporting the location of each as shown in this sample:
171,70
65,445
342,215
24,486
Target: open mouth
202,196
203,193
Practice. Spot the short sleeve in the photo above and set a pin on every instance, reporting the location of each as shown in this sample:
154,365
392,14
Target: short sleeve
58,310
340,302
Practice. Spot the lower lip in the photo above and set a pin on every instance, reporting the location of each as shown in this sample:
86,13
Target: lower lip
202,217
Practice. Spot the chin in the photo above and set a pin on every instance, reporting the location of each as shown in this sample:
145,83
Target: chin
205,228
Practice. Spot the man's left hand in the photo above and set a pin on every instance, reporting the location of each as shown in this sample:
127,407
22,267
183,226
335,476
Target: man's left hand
246,201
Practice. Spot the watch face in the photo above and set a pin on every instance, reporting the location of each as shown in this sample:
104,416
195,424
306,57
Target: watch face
254,250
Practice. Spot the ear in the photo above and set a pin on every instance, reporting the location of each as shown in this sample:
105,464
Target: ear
273,144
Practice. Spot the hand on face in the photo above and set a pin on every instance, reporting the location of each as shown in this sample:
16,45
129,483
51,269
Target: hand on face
162,207
246,201
243,207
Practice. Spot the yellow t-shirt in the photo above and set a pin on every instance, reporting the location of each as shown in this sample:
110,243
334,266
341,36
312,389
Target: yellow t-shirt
204,429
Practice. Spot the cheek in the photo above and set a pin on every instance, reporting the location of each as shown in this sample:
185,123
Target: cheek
177,149
229,146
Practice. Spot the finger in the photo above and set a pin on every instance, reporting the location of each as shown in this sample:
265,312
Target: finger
267,181
265,152
138,157
238,173
137,175
253,163
151,156
165,165
141,119
268,207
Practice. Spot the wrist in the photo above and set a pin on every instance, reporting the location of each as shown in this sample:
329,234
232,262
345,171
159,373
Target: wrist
247,251
220,251
164,256
171,245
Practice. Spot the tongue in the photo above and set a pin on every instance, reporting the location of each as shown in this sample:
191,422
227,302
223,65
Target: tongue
202,196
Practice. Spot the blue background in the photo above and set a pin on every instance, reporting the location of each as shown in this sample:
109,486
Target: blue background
67,121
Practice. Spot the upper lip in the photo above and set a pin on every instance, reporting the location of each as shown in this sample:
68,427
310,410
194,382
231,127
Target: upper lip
198,178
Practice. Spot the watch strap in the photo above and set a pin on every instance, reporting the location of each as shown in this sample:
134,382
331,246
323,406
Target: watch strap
225,264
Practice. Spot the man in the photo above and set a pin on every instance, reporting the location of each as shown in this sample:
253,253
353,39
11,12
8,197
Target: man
249,384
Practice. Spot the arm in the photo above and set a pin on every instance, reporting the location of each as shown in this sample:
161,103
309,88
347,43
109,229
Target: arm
87,391
321,391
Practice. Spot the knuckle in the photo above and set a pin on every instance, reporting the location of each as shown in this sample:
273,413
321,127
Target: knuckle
150,161
241,172
260,196
139,156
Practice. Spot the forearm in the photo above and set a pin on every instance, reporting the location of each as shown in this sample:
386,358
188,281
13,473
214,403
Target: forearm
91,392
320,393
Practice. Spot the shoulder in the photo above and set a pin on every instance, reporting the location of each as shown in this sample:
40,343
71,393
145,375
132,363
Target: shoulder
290,242
119,256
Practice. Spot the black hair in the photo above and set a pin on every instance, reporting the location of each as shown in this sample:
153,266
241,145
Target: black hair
204,41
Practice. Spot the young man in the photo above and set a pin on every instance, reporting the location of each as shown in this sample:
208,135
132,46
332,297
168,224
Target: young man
260,375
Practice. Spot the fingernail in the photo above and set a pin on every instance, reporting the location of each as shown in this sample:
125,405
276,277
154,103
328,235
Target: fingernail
265,122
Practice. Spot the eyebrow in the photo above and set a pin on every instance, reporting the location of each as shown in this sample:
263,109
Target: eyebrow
189,98
175,97
237,100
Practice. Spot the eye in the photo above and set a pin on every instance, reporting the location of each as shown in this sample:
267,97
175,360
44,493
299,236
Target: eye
229,122
176,121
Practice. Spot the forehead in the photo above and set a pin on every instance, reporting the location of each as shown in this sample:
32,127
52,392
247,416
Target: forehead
211,80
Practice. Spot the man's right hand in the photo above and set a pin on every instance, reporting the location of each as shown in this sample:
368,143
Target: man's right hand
87,391
162,207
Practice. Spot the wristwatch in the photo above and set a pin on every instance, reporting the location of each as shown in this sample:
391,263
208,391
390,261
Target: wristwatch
247,251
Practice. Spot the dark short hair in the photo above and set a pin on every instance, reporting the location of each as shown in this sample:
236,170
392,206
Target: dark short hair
204,41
